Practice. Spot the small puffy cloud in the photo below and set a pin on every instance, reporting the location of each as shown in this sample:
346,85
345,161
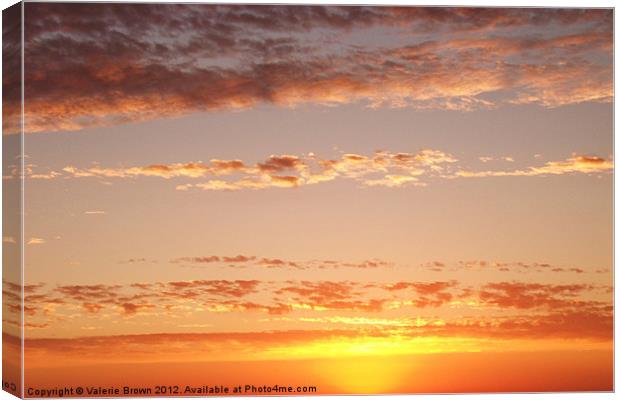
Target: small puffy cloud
577,163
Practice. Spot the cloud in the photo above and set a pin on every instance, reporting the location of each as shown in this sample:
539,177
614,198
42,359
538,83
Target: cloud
383,168
330,296
144,346
214,259
556,327
95,212
100,292
267,262
138,260
422,287
577,324
222,167
92,308
220,288
430,294
130,300
504,302
273,309
489,158
198,260
534,295
225,57
191,170
583,164
36,240
499,266
436,266
281,297
285,181
34,302
132,308
575,164
394,181
276,164
274,262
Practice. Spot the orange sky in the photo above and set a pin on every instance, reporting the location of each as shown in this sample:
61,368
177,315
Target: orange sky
360,195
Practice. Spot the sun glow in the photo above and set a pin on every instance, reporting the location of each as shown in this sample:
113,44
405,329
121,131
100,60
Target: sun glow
367,374
375,346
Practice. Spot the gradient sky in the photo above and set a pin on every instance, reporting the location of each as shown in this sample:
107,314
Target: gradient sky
269,183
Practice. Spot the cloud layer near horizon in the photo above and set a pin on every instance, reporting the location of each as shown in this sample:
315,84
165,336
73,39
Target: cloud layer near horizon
104,64
444,313
343,302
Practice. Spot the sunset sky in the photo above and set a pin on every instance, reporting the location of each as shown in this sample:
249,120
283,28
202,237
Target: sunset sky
406,190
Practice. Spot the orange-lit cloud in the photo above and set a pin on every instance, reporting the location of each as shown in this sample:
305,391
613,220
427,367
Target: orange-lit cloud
113,73
574,164
47,305
297,318
243,261
534,295
500,266
330,296
398,337
429,294
383,168
289,296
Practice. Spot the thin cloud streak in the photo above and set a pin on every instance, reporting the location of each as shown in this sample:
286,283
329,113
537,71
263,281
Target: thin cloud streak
381,169
574,164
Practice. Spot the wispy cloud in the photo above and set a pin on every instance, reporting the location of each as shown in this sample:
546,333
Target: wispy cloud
380,169
574,164
502,266
266,262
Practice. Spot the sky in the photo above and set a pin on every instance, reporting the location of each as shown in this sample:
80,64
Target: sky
408,190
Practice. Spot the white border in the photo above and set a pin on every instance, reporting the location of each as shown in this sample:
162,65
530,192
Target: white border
479,3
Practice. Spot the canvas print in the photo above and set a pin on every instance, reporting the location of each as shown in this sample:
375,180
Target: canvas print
227,199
